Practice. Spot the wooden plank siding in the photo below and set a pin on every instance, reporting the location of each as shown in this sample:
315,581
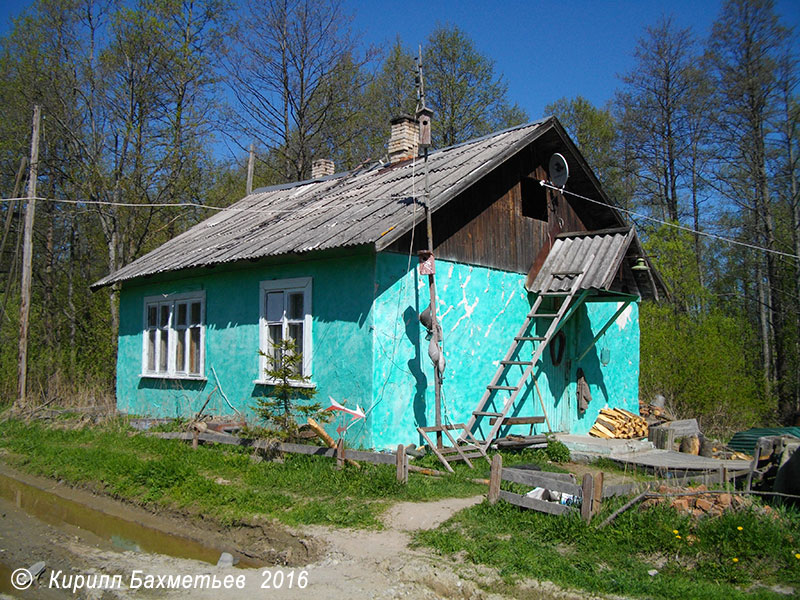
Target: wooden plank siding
487,225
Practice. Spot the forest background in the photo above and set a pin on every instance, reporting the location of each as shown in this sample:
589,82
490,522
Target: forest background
699,147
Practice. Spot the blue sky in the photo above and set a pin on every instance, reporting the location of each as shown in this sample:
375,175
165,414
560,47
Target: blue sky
545,49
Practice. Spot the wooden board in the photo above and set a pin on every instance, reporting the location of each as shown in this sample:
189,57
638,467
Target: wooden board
540,479
534,504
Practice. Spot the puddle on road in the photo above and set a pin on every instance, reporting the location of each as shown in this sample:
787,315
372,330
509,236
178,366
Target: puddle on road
121,533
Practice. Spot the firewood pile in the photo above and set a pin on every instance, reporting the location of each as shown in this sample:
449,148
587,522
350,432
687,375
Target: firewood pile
654,414
618,423
700,504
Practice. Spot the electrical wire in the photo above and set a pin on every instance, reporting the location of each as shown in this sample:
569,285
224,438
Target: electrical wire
670,224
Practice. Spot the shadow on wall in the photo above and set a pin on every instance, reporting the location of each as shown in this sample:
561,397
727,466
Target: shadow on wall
414,364
591,365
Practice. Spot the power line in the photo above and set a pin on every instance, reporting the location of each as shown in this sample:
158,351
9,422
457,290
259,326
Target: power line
670,224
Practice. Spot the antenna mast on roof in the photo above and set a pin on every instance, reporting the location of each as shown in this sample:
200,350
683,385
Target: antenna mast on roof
427,265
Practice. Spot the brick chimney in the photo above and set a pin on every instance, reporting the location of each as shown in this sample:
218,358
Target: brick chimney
322,167
404,141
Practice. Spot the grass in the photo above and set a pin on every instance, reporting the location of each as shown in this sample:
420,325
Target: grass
218,481
705,559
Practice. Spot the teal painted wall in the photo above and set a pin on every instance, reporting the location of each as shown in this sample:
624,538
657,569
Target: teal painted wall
342,292
481,310
369,347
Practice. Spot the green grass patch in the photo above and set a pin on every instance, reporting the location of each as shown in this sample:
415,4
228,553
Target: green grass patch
705,559
218,481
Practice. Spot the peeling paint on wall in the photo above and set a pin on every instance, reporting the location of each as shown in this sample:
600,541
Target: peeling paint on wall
625,316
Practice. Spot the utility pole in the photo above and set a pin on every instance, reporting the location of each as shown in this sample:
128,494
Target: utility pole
27,265
250,164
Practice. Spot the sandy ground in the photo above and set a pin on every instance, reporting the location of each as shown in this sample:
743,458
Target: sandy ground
341,564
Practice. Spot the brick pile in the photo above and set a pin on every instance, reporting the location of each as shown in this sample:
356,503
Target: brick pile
699,504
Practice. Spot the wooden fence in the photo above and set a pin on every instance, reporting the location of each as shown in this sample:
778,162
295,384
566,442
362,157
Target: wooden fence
589,494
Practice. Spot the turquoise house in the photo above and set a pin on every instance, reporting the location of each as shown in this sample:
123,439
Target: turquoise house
333,263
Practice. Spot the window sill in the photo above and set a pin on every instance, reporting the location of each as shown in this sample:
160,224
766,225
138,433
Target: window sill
172,376
295,384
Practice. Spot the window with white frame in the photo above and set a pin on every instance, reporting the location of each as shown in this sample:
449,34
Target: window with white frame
174,336
285,315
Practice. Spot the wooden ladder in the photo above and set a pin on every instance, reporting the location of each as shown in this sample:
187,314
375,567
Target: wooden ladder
500,390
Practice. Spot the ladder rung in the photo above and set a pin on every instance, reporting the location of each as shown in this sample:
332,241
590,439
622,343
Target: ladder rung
546,315
516,362
555,294
501,387
526,338
479,413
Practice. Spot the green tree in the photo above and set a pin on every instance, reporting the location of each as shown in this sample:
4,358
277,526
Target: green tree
695,353
289,400
461,87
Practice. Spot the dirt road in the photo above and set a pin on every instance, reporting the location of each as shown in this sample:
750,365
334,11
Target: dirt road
342,564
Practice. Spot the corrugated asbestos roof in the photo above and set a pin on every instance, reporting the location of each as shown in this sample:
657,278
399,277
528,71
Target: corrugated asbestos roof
600,253
367,207
745,441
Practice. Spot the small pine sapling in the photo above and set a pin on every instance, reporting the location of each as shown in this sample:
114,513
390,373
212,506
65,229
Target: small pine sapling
288,402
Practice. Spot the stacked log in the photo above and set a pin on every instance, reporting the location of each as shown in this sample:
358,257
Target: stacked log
618,423
655,415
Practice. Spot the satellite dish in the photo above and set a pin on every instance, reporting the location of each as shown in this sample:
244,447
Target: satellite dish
559,171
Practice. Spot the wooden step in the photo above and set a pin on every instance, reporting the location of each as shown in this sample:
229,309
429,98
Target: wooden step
501,387
546,315
479,413
525,338
519,420
515,362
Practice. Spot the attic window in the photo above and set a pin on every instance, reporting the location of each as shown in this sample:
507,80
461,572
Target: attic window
534,199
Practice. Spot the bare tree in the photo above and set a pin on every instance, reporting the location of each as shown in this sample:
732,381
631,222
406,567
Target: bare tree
283,74
745,47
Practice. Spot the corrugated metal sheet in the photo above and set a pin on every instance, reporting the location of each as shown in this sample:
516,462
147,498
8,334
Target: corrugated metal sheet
368,207
570,253
745,441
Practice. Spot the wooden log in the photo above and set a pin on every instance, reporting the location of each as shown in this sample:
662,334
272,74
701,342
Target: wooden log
323,435
587,492
494,478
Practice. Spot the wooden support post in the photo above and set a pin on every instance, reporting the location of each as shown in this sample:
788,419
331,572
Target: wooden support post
27,266
195,438
753,465
402,464
340,453
587,493
494,478
597,498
